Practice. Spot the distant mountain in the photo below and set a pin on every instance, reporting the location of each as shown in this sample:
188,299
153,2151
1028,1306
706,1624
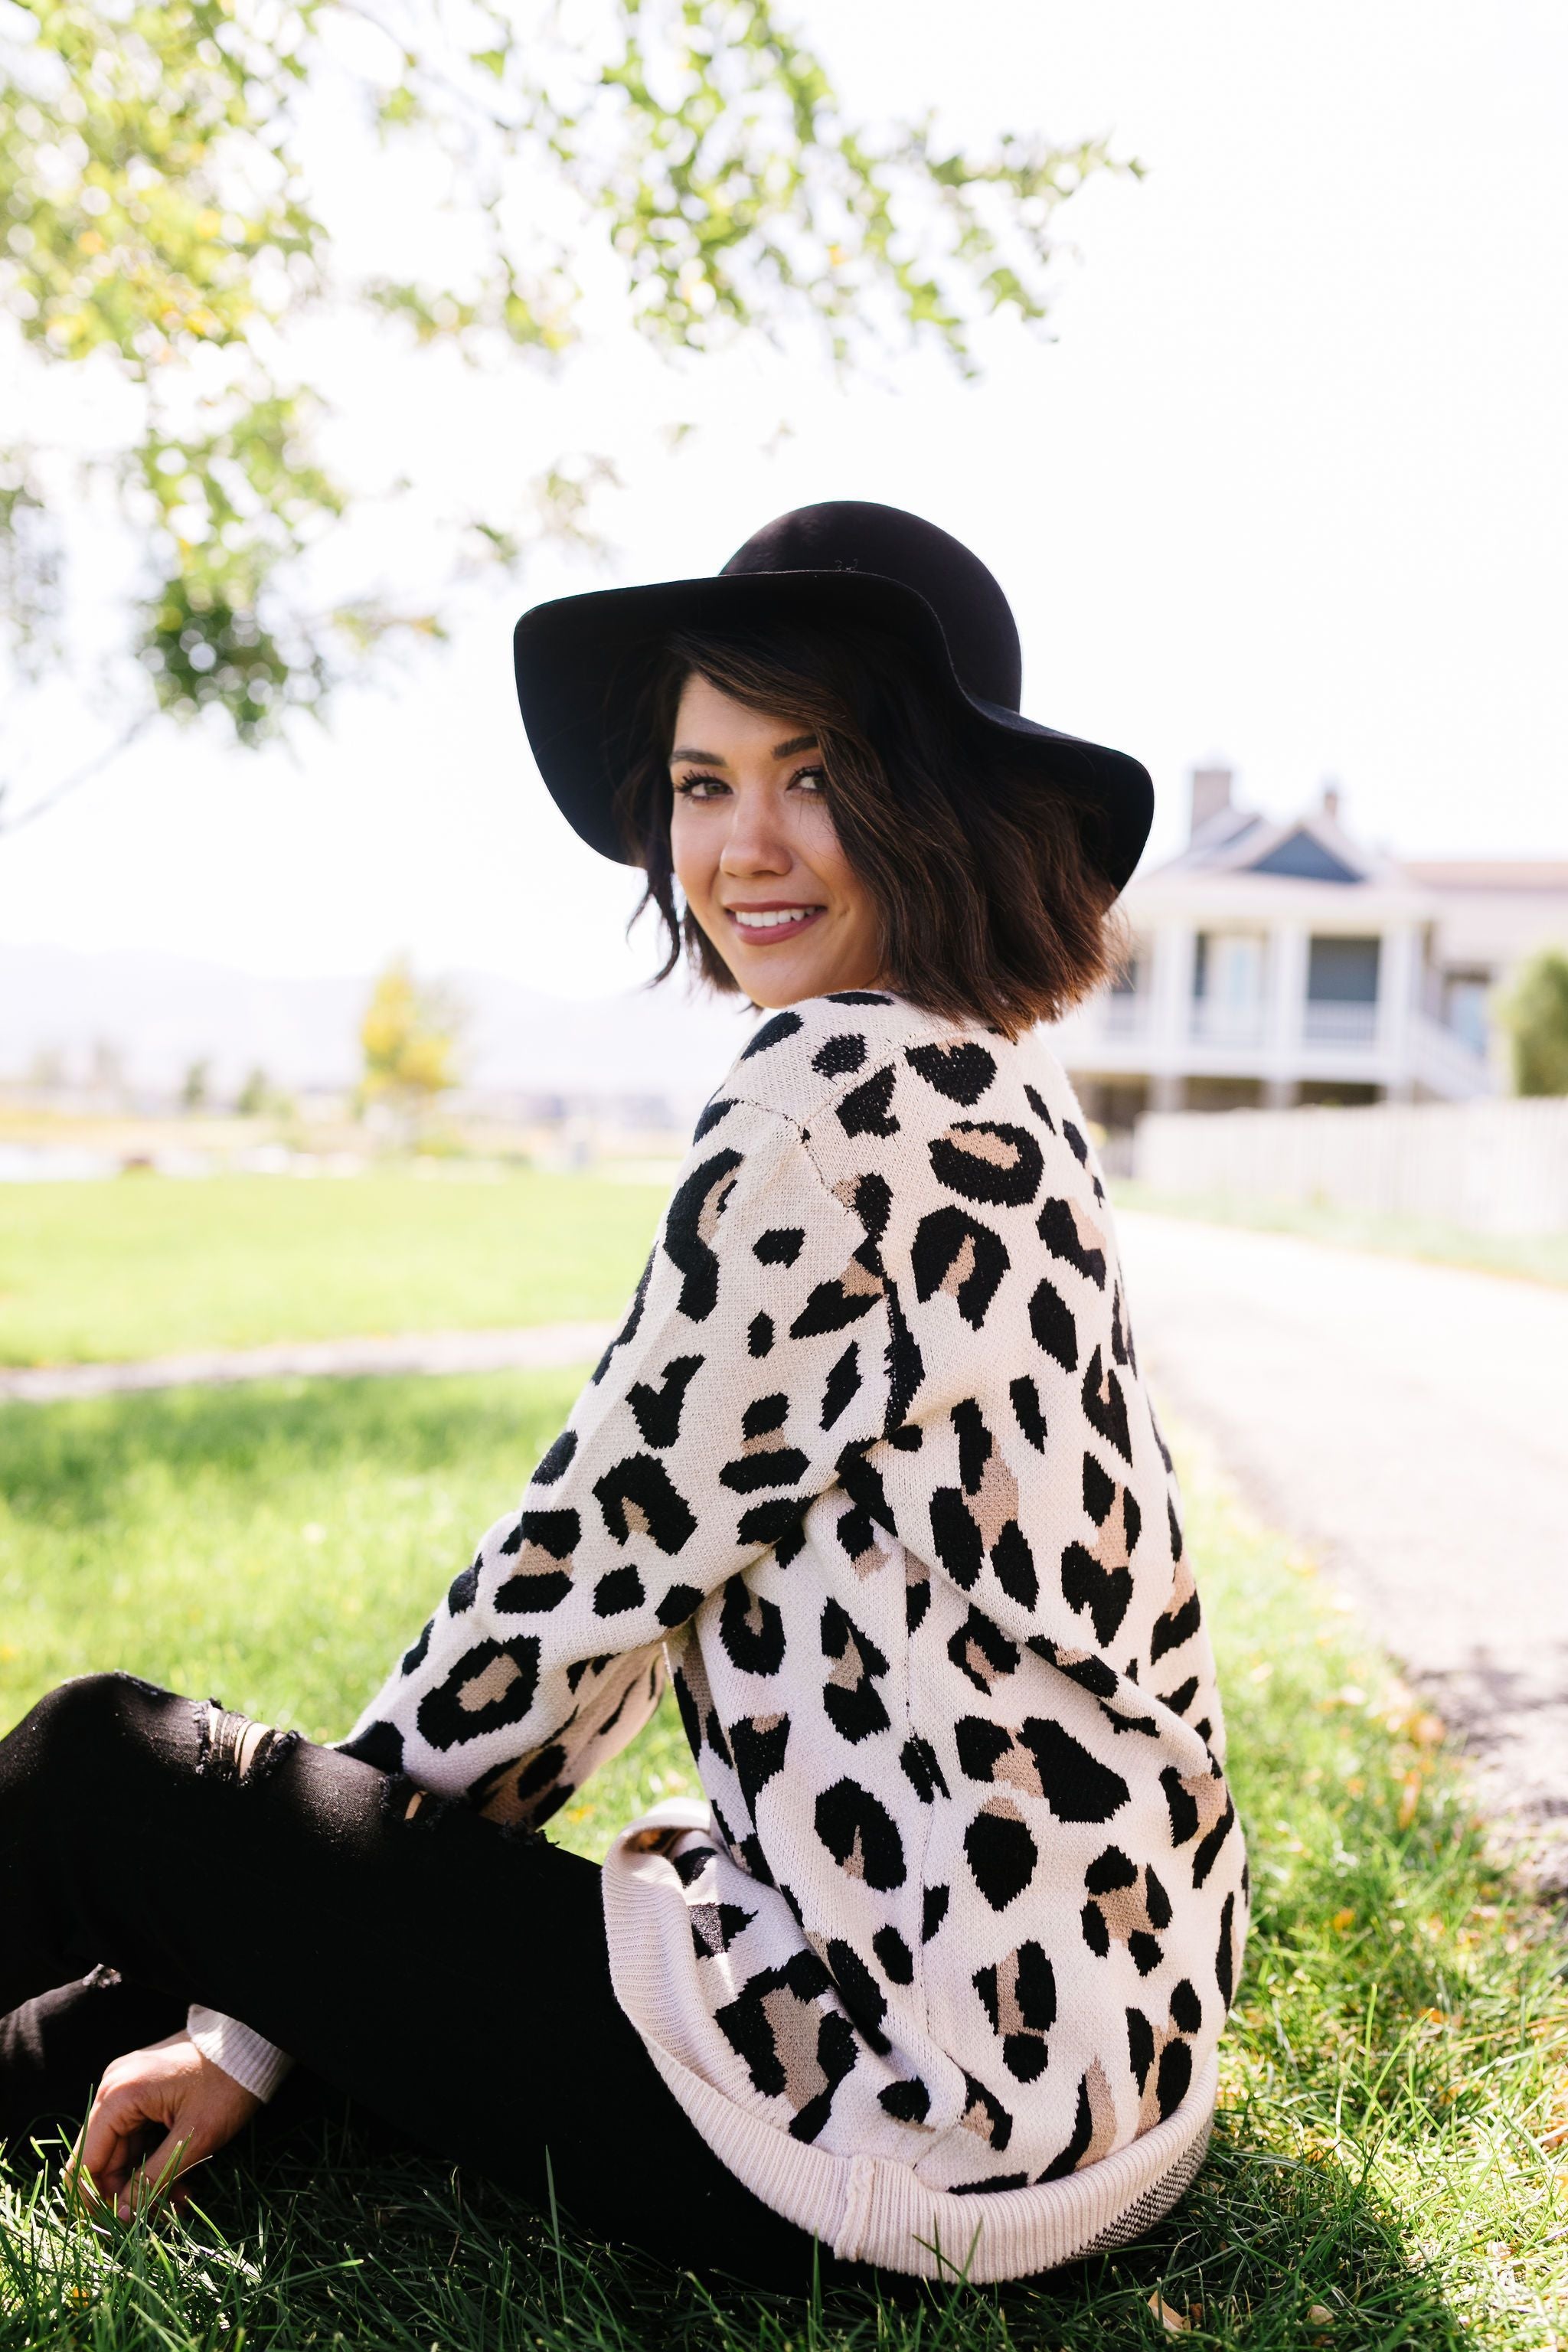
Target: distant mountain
149,1017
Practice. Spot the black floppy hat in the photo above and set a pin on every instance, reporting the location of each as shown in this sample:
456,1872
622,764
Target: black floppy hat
583,662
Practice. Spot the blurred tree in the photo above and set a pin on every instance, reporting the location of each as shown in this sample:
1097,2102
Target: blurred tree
255,1098
162,224
1535,1013
410,1036
196,1090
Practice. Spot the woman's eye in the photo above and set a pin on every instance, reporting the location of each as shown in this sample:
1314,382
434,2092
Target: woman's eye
700,788
810,780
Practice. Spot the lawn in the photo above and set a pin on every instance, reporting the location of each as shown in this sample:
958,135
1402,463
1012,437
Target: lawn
1530,1257
146,1265
1389,2165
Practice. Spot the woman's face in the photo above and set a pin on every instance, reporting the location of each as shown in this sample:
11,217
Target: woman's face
756,855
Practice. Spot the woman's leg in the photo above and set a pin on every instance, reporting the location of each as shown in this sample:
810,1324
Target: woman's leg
54,2049
447,1974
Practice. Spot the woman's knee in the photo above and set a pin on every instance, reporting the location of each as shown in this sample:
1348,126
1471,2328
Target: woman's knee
92,1715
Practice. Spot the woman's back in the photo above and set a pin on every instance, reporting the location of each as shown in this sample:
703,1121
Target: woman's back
967,1898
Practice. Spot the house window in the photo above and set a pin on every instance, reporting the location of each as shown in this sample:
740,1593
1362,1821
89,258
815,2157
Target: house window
1126,1001
1342,990
1227,987
1465,995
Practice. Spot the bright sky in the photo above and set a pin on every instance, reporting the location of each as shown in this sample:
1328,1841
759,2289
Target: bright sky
1288,486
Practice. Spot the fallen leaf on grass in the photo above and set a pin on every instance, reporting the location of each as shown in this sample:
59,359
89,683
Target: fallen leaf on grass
1341,1920
1175,2322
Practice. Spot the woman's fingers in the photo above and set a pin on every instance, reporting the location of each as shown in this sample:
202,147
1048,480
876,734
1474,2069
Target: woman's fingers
158,2113
105,2155
155,2176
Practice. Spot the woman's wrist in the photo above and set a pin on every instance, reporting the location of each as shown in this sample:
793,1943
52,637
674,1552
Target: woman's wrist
247,2057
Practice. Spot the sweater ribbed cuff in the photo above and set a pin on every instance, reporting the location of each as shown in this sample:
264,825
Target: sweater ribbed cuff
258,2066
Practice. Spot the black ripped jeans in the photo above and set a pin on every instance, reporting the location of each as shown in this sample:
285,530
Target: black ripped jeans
448,1975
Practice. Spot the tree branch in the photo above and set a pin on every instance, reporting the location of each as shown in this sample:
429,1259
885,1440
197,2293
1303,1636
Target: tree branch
73,784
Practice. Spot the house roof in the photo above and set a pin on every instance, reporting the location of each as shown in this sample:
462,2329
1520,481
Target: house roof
1489,873
1312,847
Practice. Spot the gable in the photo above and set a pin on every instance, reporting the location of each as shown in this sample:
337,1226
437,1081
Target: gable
1303,857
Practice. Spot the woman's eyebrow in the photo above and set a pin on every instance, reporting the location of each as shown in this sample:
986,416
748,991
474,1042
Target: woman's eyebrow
717,759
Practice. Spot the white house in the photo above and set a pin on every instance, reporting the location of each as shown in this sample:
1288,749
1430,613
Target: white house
1289,963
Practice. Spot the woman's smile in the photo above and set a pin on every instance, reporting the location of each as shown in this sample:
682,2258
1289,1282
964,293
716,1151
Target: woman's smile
768,925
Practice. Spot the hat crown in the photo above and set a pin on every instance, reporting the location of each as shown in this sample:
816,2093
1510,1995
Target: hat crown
855,535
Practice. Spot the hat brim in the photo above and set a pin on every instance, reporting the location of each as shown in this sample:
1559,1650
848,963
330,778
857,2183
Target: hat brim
582,663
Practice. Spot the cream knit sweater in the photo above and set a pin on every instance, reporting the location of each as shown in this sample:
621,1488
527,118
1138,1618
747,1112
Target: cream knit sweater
939,1965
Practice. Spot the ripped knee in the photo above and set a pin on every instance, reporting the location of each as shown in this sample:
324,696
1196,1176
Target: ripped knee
237,1749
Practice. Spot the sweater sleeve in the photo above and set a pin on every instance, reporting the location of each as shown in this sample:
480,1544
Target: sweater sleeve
258,2066
689,1452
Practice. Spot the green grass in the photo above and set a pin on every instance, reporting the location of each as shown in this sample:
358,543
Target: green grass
147,1264
1392,2153
1530,1257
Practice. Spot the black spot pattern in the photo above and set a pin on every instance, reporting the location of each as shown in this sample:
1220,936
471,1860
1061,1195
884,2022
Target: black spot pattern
867,1109
988,1159
1059,1231
638,1497
773,1033
781,1245
657,1411
689,1225
956,1253
850,1698
1051,1321
860,1834
491,1686
839,1055
558,1461
843,1386
961,1072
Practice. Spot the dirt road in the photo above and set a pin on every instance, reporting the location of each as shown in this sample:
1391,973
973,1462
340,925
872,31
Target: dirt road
1410,1423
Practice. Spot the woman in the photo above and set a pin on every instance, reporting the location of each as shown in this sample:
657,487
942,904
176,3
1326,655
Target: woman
934,1976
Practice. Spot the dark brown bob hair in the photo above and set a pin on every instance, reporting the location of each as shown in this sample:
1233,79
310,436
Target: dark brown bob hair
991,906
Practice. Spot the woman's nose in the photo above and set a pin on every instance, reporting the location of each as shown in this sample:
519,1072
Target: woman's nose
753,843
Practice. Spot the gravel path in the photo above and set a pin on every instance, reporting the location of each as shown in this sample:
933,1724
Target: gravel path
543,1348
1409,1422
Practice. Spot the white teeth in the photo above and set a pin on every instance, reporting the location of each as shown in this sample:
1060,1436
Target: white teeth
770,921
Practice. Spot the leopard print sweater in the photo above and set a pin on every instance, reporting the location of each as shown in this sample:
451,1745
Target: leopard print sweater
942,1960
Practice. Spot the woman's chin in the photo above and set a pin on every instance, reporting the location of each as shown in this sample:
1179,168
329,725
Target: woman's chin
776,986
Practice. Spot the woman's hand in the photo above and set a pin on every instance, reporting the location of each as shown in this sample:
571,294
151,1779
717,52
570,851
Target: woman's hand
158,2113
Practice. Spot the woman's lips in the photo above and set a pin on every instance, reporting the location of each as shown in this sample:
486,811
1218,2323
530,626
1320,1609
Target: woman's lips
769,925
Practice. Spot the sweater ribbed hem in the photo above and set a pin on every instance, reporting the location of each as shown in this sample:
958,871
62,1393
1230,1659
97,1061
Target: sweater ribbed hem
869,2208
257,2065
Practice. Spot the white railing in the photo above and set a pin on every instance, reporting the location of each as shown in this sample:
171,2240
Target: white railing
1215,1022
1494,1167
1338,1024
1446,1063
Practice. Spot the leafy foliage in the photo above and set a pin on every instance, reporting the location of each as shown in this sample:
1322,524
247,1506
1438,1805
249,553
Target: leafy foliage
410,1036
1537,1018
162,224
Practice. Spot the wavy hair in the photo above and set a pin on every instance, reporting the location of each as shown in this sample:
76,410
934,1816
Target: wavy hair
991,905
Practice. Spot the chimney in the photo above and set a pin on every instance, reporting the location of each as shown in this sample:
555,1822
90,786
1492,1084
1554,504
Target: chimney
1211,793
1331,799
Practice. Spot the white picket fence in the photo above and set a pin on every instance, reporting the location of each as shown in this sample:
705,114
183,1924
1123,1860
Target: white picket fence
1494,1167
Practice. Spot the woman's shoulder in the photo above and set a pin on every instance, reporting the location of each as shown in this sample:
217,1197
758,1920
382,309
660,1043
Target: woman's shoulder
871,1061
799,1060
